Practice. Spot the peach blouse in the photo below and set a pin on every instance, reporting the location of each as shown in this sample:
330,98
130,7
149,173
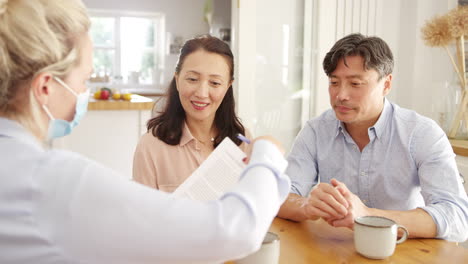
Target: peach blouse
165,167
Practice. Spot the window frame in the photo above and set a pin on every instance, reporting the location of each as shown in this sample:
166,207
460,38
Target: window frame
159,48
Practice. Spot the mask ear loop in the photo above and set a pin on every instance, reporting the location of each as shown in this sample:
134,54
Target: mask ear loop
49,114
65,85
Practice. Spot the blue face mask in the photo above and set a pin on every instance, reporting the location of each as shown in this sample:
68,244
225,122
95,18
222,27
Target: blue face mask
58,127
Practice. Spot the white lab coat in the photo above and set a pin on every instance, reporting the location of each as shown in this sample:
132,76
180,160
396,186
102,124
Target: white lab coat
59,207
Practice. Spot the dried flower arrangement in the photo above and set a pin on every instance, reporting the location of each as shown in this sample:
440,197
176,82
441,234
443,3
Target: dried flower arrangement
442,31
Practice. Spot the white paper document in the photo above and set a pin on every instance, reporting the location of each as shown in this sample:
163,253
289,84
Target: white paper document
216,175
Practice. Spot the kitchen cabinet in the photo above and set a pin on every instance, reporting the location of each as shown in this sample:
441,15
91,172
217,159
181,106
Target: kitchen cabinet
110,132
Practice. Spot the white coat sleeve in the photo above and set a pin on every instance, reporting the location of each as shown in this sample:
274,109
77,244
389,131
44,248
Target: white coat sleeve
95,216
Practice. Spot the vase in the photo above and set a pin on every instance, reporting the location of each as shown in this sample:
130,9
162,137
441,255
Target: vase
441,108
456,123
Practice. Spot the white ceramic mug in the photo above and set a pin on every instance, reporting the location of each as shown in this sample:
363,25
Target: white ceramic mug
267,254
375,237
134,77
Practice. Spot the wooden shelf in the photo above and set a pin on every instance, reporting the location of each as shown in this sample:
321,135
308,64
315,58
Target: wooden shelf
460,147
138,102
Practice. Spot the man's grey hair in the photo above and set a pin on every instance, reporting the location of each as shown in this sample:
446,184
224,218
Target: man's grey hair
373,50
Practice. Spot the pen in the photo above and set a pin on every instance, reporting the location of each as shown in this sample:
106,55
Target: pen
241,137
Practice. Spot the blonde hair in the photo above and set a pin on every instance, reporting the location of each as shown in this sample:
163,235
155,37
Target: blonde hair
36,36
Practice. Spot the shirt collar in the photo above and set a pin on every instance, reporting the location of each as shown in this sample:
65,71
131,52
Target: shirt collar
12,129
340,128
186,135
378,127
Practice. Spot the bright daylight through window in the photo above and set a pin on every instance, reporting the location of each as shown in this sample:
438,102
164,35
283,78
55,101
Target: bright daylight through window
128,49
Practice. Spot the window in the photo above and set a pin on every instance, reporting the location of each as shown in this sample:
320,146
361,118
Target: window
128,49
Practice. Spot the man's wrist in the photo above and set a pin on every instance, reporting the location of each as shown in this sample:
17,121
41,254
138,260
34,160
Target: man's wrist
305,213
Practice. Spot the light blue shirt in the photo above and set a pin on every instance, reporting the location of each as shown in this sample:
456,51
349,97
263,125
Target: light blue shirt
408,163
59,207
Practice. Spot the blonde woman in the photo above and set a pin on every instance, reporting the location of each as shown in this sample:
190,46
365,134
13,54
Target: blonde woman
59,207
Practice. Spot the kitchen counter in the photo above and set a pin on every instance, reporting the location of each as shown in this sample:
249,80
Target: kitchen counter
110,131
137,102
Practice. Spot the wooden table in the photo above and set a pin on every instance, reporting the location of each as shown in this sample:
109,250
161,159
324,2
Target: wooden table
317,242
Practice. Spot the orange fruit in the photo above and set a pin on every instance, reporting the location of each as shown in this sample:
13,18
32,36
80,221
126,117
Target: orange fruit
127,96
97,95
116,96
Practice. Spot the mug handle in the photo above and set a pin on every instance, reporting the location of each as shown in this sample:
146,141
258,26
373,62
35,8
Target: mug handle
405,234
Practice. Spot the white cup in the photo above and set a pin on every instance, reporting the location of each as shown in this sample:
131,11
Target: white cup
375,237
267,254
134,77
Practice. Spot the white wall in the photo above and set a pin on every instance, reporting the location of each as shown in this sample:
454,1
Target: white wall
244,48
108,137
222,15
334,19
269,76
420,71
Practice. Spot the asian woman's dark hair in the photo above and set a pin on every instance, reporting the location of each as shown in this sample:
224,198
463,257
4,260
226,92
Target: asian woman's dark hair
168,124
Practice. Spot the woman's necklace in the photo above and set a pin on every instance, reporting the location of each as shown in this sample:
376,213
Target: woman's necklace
204,142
